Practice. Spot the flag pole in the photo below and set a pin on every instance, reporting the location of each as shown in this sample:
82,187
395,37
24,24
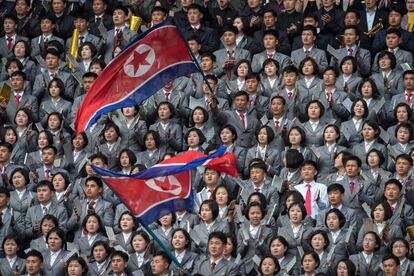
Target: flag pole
178,25
161,244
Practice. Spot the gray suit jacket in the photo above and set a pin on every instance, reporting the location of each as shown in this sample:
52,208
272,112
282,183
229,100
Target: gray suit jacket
171,137
83,244
314,138
315,86
272,157
144,158
37,44
132,136
317,54
62,106
325,159
4,50
350,87
246,136
258,59
109,47
203,233
359,150
363,57
267,89
102,207
336,109
401,56
40,245
221,56
35,214
26,100
88,37
58,266
354,136
224,267
11,225
42,81
364,269
395,84
18,265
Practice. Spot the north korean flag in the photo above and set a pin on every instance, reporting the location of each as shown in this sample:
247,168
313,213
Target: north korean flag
150,61
152,198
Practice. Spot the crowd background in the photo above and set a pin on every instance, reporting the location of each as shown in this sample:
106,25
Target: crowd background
314,98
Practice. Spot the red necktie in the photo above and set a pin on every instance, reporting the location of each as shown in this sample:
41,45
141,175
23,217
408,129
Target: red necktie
408,96
257,190
167,96
118,37
351,186
392,209
9,43
194,30
17,98
329,96
350,51
269,55
289,95
211,194
47,171
277,125
308,200
242,120
213,266
208,103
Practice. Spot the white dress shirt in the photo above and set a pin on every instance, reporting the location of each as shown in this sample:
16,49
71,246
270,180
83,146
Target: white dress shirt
316,188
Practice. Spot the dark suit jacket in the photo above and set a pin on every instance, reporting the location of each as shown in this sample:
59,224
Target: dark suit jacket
207,36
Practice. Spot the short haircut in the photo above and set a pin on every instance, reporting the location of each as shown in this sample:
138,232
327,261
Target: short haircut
310,28
391,257
95,179
405,157
218,235
302,208
390,55
314,65
291,69
271,32
352,158
50,147
331,68
380,156
353,61
387,209
319,104
393,31
352,27
213,207
5,191
324,235
393,182
100,156
122,254
336,187
164,256
45,183
314,255
278,97
255,204
407,108
143,234
407,126
34,253
19,74
339,214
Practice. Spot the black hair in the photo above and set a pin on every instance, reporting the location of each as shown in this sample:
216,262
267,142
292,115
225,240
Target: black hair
255,204
390,55
354,63
366,110
375,93
339,214
302,208
319,104
213,207
35,253
155,135
314,65
324,235
380,156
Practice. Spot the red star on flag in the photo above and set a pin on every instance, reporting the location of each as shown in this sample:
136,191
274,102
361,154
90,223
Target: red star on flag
139,59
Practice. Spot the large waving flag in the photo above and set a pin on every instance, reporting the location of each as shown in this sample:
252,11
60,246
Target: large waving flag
166,186
149,62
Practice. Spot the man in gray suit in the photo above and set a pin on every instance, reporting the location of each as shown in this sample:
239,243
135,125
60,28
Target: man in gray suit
229,56
19,99
335,196
362,56
34,263
404,97
11,221
42,80
7,42
309,49
393,40
82,24
119,36
215,264
46,205
160,263
38,44
271,43
245,122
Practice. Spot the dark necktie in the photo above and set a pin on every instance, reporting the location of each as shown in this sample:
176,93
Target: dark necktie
91,209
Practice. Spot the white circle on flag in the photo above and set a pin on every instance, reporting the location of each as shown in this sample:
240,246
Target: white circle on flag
140,61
